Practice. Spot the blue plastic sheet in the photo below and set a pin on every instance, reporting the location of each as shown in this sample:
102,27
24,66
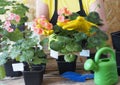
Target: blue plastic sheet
77,77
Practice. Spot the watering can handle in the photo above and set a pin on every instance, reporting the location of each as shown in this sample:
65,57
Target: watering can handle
104,50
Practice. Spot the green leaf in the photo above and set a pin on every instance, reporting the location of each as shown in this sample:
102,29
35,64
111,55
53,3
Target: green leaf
80,36
2,72
15,52
39,53
63,39
3,57
95,41
44,42
73,47
93,30
98,39
56,45
57,29
102,35
64,51
3,11
94,18
20,9
28,43
69,57
73,16
37,60
4,3
27,56
15,35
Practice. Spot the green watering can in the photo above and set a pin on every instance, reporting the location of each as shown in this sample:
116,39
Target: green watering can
105,69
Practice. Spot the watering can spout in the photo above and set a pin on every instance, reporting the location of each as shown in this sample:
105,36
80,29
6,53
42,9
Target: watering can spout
90,65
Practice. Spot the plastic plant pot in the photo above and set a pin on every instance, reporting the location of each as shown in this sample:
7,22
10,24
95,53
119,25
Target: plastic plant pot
65,66
116,40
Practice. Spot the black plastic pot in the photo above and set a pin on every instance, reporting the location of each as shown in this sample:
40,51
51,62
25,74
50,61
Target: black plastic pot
9,70
38,67
33,77
65,66
118,61
116,40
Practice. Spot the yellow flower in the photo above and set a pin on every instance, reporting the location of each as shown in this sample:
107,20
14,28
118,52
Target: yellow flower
47,32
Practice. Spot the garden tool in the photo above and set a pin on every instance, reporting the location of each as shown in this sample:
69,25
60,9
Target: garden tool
105,69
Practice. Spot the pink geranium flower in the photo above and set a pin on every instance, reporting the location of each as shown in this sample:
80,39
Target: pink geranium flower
62,15
64,11
61,18
11,16
7,24
17,18
10,29
67,12
11,19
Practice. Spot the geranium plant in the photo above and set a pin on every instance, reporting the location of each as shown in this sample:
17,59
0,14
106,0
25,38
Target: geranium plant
13,17
72,33
15,41
26,49
12,20
13,6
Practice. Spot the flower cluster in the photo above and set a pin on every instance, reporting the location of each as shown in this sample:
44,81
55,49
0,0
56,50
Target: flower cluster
62,13
42,26
67,21
11,22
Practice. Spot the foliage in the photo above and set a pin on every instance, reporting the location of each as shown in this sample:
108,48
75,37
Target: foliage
13,17
2,72
14,7
72,33
16,40
22,46
26,49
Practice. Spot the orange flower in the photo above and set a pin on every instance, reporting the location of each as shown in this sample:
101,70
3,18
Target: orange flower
64,11
38,31
48,26
42,26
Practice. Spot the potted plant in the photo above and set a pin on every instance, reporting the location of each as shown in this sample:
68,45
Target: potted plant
72,33
29,51
6,61
7,39
13,17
